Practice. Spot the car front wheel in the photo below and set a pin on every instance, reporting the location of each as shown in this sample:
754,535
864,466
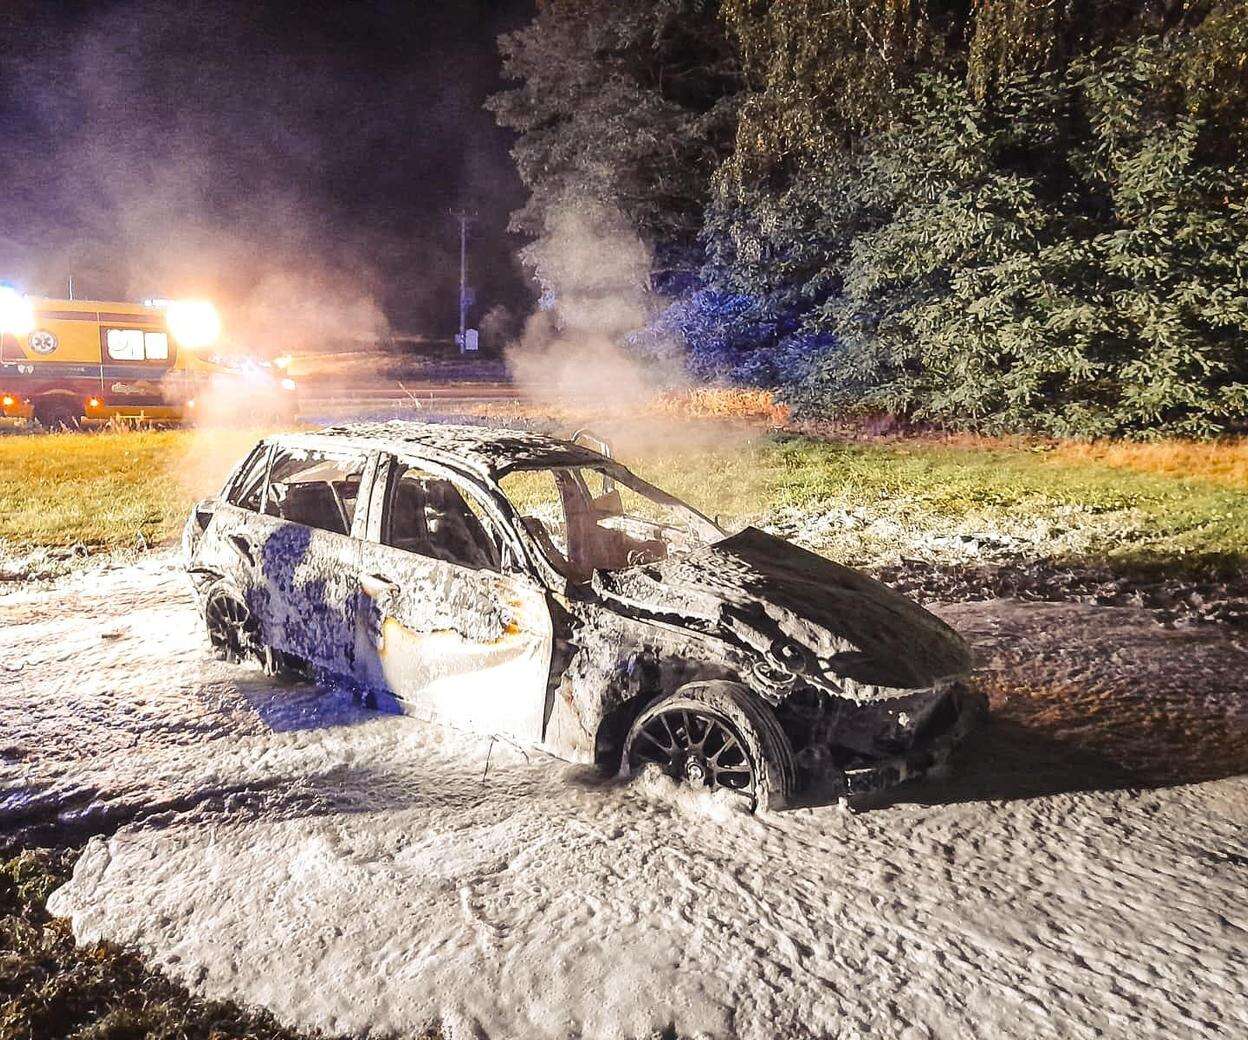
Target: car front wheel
715,735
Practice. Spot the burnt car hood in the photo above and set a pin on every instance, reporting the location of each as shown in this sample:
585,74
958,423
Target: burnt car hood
832,621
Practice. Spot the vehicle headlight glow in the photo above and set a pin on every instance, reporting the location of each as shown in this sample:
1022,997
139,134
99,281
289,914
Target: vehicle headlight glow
193,323
288,384
17,315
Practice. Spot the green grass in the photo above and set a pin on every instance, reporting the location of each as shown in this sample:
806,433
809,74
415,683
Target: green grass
908,496
116,489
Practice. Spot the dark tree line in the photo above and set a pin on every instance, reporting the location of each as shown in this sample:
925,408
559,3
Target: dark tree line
994,214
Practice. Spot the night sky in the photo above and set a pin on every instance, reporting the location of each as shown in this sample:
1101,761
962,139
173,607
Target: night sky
258,152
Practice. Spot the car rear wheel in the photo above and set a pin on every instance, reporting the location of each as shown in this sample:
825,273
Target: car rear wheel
715,735
234,635
231,628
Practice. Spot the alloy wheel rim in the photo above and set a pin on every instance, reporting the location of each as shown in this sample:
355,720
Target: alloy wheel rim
228,626
697,748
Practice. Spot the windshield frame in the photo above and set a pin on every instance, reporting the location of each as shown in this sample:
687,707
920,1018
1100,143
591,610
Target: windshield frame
705,527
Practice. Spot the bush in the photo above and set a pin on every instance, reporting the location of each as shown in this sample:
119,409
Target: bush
1064,262
1067,255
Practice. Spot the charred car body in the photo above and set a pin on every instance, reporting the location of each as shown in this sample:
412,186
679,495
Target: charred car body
533,587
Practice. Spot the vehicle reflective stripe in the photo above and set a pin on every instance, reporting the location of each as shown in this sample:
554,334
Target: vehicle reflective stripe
45,370
131,321
91,317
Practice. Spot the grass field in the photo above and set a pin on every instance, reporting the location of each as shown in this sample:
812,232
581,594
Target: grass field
115,489
1172,506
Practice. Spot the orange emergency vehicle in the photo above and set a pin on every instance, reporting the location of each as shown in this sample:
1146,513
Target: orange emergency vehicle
63,361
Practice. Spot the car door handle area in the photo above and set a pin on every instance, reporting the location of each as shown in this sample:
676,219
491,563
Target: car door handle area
376,585
244,548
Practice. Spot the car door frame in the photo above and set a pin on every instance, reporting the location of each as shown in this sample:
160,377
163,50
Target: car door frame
526,617
323,629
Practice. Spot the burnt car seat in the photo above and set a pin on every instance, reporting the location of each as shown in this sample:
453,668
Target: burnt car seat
430,517
405,528
313,504
455,533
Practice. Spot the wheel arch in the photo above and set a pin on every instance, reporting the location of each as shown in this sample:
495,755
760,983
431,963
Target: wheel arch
215,585
49,405
203,580
613,727
648,681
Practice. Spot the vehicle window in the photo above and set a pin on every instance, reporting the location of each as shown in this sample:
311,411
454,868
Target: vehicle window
156,346
314,489
137,345
536,497
247,491
633,505
602,518
125,344
429,515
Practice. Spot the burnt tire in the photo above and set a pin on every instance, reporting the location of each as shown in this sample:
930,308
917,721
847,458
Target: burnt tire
58,413
235,636
231,627
717,735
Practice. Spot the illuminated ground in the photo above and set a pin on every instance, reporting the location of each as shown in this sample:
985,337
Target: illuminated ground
356,871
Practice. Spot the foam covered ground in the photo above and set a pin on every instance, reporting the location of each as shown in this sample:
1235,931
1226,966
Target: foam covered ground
368,874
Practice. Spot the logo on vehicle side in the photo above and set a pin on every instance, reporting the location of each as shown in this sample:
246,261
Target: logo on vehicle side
131,389
42,341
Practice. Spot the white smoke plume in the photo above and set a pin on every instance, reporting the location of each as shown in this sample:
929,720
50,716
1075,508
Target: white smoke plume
589,353
594,272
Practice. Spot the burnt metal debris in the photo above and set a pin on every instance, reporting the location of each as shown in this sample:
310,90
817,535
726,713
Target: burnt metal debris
534,588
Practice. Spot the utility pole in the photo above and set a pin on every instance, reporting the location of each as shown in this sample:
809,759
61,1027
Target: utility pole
464,218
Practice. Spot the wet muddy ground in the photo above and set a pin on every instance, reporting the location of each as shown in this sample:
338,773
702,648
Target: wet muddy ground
1082,870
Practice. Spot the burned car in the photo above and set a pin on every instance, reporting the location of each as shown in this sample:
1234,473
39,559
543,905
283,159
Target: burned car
534,588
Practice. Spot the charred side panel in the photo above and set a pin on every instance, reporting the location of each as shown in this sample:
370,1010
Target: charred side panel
306,597
472,647
298,583
229,550
605,661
